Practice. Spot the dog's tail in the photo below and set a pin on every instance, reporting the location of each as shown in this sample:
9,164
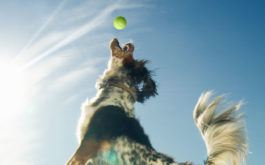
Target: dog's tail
222,130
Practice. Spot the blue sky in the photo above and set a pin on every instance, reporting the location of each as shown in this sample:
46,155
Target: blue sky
63,47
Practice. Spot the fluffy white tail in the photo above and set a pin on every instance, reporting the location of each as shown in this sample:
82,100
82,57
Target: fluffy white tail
222,129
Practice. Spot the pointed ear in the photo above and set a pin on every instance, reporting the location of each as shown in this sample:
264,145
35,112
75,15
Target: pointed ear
148,89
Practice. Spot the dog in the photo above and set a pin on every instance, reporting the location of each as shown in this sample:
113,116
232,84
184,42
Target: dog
110,134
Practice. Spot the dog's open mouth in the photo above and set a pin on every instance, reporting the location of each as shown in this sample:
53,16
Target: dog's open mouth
128,48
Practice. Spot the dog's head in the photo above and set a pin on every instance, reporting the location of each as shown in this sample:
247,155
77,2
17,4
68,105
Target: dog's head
137,73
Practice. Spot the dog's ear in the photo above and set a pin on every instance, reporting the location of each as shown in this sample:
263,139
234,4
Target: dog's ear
148,89
145,85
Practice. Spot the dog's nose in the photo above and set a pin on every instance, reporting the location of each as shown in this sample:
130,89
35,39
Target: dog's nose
115,41
114,44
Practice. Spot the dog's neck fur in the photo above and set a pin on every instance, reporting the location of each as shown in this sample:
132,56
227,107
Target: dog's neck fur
112,95
115,96
106,95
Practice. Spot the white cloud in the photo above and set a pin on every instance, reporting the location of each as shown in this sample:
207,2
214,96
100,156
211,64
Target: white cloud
71,98
43,44
66,69
95,22
91,25
70,79
42,28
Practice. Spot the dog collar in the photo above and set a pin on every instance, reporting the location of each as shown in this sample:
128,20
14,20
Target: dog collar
124,87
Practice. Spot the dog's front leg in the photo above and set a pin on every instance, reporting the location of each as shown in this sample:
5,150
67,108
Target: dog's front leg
85,151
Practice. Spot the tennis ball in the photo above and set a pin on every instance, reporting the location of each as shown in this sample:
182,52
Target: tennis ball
119,23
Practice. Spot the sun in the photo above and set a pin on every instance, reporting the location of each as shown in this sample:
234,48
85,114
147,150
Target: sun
12,89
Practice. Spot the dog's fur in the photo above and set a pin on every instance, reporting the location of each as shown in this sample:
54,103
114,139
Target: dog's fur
109,133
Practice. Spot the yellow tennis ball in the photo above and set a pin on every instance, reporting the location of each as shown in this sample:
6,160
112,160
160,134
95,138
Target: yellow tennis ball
119,23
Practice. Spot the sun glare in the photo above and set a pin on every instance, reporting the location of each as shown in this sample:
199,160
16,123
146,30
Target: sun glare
12,90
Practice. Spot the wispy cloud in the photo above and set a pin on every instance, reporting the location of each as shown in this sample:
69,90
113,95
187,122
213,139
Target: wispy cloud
40,30
54,41
95,22
50,57
70,79
75,34
43,43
